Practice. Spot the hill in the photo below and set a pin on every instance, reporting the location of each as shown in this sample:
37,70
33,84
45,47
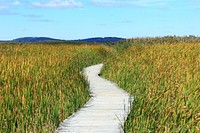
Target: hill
47,39
35,39
100,39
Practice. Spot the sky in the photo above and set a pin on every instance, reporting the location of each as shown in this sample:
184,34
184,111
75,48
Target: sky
78,19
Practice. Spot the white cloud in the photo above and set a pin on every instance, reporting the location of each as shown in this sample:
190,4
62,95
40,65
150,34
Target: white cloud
8,12
31,16
8,4
3,7
16,3
42,20
58,4
6,7
129,2
105,2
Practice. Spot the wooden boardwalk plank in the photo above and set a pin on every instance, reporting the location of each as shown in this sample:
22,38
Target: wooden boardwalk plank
105,112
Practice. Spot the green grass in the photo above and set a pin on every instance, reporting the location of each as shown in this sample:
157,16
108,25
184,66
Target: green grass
165,82
41,85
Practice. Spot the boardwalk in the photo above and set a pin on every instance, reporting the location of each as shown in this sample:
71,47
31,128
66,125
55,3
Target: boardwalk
106,110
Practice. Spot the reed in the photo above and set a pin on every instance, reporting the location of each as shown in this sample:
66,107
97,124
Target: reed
165,82
41,85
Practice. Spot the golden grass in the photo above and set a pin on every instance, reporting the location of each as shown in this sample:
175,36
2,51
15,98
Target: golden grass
41,85
165,81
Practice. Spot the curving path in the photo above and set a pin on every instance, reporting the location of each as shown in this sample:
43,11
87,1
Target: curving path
105,112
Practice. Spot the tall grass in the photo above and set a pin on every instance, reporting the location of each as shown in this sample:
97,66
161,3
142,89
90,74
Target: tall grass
165,82
41,85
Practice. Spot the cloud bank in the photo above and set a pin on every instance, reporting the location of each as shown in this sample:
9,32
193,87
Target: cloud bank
141,3
6,7
58,4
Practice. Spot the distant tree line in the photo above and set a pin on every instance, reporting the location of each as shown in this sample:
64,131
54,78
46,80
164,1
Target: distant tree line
162,40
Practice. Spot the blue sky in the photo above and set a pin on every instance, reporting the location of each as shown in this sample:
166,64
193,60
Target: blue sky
76,19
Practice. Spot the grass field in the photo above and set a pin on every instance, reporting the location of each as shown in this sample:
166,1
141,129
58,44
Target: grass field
41,84
165,82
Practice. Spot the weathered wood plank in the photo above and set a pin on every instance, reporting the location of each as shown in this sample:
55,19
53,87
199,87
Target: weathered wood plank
105,112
